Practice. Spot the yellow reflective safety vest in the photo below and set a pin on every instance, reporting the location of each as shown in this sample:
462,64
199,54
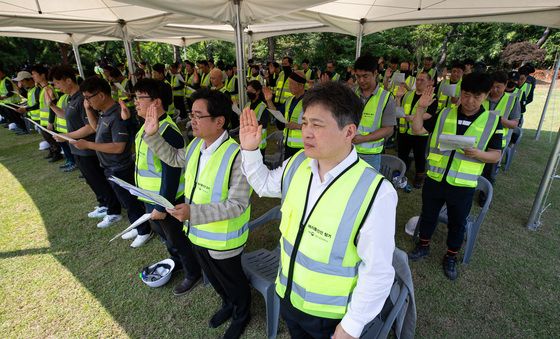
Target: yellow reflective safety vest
308,74
31,101
318,257
293,137
148,169
463,171
211,185
431,73
189,82
526,89
171,107
175,82
282,89
405,126
503,109
335,77
122,95
60,123
44,110
15,98
230,86
443,100
371,120
258,112
205,79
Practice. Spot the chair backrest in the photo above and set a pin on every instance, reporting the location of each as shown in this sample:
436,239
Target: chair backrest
484,186
272,214
275,160
390,165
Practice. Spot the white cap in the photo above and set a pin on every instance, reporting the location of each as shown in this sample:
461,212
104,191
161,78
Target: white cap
23,75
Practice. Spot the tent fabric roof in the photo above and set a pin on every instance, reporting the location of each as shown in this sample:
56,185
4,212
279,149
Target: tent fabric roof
33,33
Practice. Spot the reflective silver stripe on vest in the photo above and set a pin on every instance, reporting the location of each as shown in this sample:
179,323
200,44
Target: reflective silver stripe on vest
509,106
464,176
221,175
487,133
295,140
344,232
442,117
190,151
462,157
218,236
439,170
296,162
315,298
320,267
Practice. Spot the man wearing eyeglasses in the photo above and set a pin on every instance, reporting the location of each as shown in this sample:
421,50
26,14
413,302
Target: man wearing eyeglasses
217,208
113,147
379,113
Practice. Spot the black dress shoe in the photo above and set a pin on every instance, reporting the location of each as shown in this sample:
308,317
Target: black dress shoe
56,157
419,252
221,316
185,286
236,329
450,267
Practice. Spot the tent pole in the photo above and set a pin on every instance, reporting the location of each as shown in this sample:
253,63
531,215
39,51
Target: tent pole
250,44
77,57
239,53
550,90
359,38
128,52
546,181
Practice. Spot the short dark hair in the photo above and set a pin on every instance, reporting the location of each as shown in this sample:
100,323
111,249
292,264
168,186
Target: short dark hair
159,67
477,83
218,104
113,71
500,77
258,87
156,90
341,101
458,64
228,68
250,61
427,74
40,69
290,60
429,58
94,84
62,72
366,63
305,61
469,61
175,64
394,60
202,62
275,64
526,69
187,62
331,62
255,66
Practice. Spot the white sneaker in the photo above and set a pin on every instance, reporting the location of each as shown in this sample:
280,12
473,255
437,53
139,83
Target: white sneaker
130,234
98,212
141,240
108,220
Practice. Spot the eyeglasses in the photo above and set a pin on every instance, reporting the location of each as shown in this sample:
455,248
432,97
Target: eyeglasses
195,117
138,97
91,96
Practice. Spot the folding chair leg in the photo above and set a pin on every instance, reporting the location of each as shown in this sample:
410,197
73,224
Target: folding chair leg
472,232
272,312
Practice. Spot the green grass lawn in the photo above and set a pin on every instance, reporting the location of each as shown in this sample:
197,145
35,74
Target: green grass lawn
59,276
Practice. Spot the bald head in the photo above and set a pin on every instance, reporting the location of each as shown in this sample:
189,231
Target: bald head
216,78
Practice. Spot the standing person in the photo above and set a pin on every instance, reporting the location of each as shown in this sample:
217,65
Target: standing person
257,104
453,175
255,74
158,177
25,81
428,66
158,73
178,86
231,84
378,115
309,74
331,71
293,113
445,101
46,116
204,74
217,207
282,92
113,147
79,128
192,81
338,220
406,139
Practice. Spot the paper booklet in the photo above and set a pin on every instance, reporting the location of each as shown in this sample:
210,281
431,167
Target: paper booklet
450,142
398,78
51,132
279,116
142,193
449,90
135,224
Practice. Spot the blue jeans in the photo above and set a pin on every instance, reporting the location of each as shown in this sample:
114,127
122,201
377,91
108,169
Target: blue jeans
374,160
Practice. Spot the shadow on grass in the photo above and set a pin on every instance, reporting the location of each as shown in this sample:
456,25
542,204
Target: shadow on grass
496,295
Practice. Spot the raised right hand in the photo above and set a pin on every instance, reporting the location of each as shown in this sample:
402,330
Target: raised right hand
151,125
249,130
267,93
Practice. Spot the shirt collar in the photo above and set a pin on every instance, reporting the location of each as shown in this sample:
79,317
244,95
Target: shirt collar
338,169
214,146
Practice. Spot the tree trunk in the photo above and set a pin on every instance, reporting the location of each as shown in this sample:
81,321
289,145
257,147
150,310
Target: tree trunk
176,53
443,49
138,51
105,47
544,37
63,53
271,48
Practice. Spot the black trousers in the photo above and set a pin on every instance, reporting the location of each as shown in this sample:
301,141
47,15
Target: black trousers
490,171
179,102
417,144
178,245
96,180
134,208
303,325
54,147
459,203
13,116
229,280
67,152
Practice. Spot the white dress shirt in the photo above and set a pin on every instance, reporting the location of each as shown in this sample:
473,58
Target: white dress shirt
376,239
